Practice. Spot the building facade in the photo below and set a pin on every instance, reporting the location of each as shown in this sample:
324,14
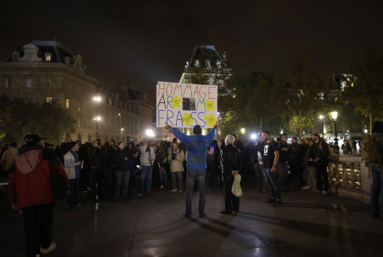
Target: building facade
48,71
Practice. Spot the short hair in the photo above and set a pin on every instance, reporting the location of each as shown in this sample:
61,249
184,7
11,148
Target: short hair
72,144
230,139
113,141
234,135
267,132
174,140
317,135
13,144
284,134
295,138
345,140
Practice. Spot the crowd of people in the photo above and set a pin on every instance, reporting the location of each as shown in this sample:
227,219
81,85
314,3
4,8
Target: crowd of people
141,169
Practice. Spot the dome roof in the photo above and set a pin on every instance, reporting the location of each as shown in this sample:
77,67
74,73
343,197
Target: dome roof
30,46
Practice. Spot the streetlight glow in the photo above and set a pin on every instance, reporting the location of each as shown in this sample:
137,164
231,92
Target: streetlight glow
253,136
365,131
97,99
321,117
122,129
334,115
149,133
243,130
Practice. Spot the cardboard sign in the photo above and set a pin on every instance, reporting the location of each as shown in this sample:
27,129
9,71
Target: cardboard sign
186,105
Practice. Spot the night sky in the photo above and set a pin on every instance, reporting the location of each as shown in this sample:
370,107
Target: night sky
141,42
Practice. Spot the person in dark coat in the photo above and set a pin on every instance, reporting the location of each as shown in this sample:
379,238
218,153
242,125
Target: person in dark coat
122,171
232,163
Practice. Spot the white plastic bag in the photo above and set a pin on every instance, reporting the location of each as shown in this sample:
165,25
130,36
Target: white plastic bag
236,189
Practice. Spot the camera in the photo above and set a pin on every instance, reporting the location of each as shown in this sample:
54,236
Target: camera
174,155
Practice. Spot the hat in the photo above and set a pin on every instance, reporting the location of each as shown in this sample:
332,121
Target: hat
33,139
96,141
197,130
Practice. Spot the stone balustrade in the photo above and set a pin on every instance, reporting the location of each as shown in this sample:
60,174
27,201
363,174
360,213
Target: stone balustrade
349,177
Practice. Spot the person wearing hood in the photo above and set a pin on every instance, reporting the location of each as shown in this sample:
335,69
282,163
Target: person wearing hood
30,190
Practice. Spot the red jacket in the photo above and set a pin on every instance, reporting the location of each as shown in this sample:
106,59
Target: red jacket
30,183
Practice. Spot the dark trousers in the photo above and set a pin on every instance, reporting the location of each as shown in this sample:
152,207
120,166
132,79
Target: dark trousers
38,224
74,189
376,191
122,177
231,201
136,182
321,170
84,178
97,183
156,181
211,169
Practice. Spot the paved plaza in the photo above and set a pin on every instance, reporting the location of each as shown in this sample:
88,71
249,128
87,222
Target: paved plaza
307,225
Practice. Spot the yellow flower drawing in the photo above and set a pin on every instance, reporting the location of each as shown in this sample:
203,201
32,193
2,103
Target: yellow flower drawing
210,120
187,118
210,105
176,101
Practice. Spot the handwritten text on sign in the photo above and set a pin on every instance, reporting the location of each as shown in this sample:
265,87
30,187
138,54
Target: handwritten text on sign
186,105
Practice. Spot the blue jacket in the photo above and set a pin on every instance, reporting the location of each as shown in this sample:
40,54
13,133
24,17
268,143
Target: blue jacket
197,148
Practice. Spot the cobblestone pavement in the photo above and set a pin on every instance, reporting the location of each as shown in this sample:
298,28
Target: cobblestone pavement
307,225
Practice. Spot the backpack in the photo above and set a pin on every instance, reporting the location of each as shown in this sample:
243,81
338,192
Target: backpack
368,151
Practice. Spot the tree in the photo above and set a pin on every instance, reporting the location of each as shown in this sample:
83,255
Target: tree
365,92
18,118
305,90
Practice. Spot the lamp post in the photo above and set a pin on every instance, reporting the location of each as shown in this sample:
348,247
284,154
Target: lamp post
122,130
97,119
321,118
334,116
120,126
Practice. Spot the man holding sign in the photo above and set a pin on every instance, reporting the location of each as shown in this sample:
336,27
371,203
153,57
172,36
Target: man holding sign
196,164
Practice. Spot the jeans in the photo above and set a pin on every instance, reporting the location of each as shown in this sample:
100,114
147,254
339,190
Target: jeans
282,168
199,176
175,175
146,173
231,201
376,190
261,181
38,224
272,181
74,189
122,177
321,170
97,182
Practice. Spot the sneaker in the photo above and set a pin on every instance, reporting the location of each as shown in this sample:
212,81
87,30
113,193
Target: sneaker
324,193
180,191
187,216
306,188
278,204
162,187
78,205
316,191
173,190
202,215
50,249
271,200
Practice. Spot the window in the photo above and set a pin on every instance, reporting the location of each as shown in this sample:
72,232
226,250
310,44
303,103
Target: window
79,122
67,103
16,57
49,83
29,83
48,99
79,107
48,57
30,57
7,82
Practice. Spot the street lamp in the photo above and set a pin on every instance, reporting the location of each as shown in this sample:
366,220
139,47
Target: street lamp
321,118
334,116
365,131
97,119
122,130
120,126
243,130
